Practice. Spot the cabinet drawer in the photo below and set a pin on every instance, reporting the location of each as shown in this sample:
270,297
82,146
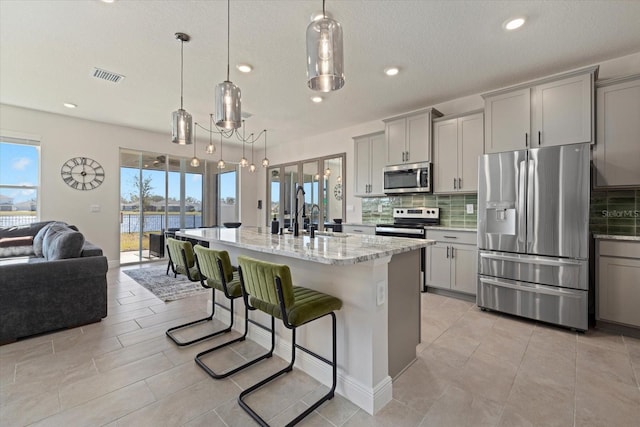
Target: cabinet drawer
359,229
462,237
619,248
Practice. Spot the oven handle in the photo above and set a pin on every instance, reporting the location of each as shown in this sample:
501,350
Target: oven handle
396,231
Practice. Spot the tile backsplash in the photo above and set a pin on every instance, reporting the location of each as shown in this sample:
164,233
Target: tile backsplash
612,212
615,212
453,208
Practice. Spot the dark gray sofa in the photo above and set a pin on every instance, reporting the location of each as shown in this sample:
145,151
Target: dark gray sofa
40,295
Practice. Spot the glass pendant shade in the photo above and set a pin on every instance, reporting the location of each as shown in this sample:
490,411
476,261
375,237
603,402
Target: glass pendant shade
265,162
244,162
228,106
252,167
182,127
221,164
211,149
325,59
195,162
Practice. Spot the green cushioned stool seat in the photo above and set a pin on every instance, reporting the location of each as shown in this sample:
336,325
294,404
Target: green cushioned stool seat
214,271
268,287
307,305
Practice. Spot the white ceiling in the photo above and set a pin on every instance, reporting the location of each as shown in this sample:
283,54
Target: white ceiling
445,50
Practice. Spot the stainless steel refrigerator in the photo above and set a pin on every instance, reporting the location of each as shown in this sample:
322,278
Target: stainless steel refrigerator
533,234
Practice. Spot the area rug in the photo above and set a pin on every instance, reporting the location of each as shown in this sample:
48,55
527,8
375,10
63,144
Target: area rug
164,286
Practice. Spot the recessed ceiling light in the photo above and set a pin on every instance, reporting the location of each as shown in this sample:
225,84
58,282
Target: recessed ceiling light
316,99
391,71
107,1
514,23
70,105
244,68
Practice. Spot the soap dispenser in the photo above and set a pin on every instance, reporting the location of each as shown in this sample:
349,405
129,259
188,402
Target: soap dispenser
275,226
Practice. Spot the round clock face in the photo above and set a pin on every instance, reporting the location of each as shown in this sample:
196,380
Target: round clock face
82,173
337,191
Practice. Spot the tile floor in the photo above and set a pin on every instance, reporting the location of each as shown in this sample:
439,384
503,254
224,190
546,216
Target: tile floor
474,369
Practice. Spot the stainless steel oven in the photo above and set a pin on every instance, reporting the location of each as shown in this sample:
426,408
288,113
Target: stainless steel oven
410,223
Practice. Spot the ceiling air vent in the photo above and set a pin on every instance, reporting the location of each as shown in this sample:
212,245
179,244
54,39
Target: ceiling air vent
101,74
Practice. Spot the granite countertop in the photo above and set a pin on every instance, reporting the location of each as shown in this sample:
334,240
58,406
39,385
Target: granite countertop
616,237
331,248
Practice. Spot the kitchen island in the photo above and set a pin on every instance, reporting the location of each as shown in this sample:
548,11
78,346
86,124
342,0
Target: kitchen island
378,280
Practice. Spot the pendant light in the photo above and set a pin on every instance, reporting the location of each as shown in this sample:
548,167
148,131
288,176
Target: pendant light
265,161
181,120
210,148
221,164
195,162
325,59
227,95
243,161
252,166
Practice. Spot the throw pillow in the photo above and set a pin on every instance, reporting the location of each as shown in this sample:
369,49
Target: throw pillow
61,242
38,239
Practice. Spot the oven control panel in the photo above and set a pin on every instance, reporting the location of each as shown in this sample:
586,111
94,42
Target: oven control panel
416,213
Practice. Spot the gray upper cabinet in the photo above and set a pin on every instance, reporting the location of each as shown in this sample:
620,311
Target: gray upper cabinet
616,156
408,137
370,158
457,144
557,110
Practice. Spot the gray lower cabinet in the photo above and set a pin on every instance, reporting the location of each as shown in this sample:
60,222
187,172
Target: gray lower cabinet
616,155
618,282
452,263
359,229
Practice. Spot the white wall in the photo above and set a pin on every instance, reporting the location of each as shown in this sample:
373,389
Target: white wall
62,137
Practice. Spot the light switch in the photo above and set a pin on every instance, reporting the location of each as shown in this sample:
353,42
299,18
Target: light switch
470,208
94,208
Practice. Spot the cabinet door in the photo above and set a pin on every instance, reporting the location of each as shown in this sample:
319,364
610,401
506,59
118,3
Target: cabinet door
563,112
464,268
438,272
362,150
470,147
445,156
418,141
378,160
619,290
396,134
616,154
507,121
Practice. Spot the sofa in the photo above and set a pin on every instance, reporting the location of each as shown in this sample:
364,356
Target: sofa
50,278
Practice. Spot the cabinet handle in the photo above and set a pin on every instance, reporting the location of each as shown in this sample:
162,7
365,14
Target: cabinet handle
459,183
369,188
454,183
407,156
450,237
526,139
452,249
539,138
448,251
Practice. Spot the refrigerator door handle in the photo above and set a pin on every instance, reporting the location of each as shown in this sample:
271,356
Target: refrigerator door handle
530,260
538,289
522,231
532,177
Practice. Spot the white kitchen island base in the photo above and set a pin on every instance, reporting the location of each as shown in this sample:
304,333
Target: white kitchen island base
379,323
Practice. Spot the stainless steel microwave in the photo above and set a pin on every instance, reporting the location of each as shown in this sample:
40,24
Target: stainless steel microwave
407,178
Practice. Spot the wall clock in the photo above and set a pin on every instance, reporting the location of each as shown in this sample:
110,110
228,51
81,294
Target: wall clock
82,173
337,191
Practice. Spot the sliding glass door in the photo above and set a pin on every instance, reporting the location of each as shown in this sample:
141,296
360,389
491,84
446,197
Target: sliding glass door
157,193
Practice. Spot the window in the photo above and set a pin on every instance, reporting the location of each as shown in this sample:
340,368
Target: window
19,178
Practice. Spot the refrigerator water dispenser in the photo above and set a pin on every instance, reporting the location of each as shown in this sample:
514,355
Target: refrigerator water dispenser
501,218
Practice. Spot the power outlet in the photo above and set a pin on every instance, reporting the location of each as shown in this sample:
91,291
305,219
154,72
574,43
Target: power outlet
381,295
380,208
470,208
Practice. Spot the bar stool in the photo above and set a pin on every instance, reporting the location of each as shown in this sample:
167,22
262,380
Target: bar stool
268,287
182,259
221,275
209,264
